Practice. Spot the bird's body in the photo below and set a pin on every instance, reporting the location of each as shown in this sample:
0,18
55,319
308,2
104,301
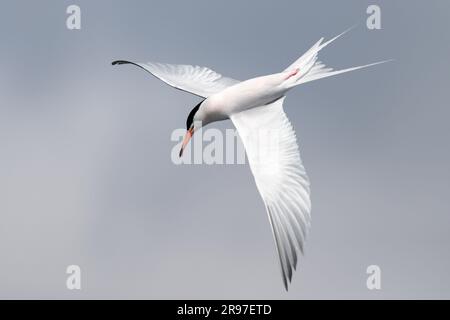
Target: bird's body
242,96
255,107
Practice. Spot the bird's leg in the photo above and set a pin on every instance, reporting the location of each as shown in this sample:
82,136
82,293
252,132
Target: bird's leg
292,73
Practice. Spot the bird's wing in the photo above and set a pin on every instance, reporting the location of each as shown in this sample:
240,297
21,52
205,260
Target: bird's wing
280,177
200,81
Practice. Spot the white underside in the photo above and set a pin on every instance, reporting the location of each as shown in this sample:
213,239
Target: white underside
245,95
256,108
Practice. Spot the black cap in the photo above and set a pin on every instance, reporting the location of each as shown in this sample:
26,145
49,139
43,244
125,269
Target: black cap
190,118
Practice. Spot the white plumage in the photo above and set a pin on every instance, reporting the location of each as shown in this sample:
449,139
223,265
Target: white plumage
255,107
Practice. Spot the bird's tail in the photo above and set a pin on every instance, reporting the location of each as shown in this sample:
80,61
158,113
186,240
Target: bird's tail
308,68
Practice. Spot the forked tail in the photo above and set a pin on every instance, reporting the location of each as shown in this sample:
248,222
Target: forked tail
308,68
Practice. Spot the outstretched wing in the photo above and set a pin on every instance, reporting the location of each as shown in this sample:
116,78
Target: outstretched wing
200,81
280,177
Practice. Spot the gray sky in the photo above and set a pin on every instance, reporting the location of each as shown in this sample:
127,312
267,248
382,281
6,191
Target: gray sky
86,176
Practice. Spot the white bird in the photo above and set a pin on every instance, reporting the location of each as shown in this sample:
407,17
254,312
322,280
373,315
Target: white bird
255,107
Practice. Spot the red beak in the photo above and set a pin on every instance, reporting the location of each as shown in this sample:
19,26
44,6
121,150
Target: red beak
186,139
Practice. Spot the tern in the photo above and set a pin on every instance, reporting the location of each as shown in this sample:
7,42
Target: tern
255,107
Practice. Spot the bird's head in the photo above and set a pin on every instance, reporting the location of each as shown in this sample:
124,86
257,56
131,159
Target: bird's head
193,122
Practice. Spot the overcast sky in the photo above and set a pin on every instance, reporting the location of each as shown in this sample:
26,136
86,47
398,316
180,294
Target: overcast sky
86,176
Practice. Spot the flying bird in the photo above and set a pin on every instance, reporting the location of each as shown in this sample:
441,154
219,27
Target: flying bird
255,107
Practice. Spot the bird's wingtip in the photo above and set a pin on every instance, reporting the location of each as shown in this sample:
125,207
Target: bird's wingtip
286,285
119,62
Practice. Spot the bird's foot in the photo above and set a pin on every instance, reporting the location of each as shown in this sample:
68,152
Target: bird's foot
293,73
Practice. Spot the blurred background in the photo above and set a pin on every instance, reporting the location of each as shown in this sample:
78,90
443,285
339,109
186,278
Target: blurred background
86,176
